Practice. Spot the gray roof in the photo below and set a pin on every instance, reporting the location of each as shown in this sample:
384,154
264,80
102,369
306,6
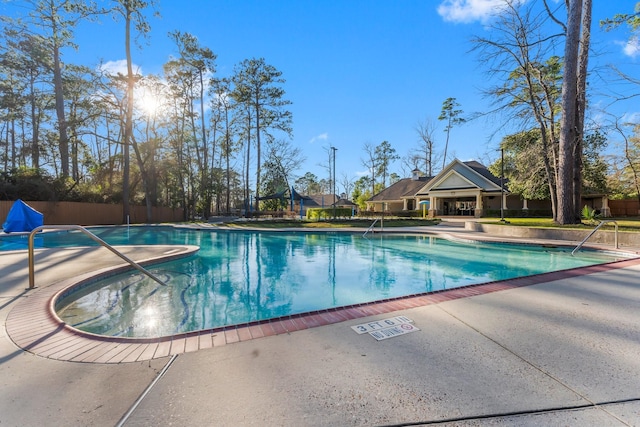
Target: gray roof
409,187
472,171
482,170
406,187
320,200
345,203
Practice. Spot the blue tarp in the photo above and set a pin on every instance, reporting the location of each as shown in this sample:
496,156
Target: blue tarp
22,217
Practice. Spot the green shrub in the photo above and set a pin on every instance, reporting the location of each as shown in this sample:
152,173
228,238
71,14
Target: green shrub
518,213
316,214
589,214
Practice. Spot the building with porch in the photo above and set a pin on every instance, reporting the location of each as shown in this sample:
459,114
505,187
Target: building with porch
464,189
460,189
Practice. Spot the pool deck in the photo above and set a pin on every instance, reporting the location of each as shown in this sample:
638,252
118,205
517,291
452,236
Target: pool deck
556,349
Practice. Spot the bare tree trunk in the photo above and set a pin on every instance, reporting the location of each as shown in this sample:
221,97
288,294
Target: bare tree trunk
227,155
247,165
258,165
128,125
181,166
73,141
568,135
583,62
145,179
62,123
35,125
6,151
205,181
13,143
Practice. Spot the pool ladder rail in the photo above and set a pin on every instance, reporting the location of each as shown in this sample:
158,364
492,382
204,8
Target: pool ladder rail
93,237
602,222
370,229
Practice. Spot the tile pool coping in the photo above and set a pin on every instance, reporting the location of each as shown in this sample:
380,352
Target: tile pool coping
33,326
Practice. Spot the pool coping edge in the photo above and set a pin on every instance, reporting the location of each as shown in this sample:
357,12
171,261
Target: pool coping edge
34,327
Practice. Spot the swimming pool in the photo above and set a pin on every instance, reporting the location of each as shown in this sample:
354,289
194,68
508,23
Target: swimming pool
239,277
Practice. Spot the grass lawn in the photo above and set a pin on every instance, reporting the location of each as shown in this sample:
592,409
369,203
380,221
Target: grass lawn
338,223
626,224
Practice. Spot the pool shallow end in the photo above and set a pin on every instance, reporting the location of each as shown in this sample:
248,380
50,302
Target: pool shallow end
241,277
33,328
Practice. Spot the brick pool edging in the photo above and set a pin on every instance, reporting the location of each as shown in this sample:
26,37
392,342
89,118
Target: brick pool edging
34,327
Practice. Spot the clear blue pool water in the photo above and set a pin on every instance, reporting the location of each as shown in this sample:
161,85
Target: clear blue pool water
238,276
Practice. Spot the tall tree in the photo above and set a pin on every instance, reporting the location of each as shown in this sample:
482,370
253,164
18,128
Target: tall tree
370,162
257,87
282,160
583,63
347,183
25,68
582,52
627,181
523,165
307,184
568,130
132,13
201,61
423,155
57,20
517,52
361,192
221,102
147,142
452,117
184,133
14,64
525,170
385,155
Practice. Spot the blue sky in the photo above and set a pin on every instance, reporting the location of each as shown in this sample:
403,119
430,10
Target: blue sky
356,71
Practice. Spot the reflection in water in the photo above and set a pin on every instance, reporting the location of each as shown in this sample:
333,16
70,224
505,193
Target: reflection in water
238,277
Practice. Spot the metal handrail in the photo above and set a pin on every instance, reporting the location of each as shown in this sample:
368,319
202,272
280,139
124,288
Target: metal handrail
602,222
93,237
370,228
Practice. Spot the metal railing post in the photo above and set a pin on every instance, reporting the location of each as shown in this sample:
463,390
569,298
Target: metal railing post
370,228
602,222
91,236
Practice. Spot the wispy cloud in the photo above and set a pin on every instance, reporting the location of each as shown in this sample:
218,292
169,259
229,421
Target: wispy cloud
631,117
321,137
467,11
118,67
631,47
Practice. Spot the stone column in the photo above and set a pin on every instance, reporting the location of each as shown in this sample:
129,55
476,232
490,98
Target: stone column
433,208
606,212
479,208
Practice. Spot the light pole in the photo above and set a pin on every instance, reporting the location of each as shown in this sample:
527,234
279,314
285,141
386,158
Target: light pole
334,149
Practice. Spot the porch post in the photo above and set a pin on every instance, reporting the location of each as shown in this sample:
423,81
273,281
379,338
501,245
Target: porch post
606,212
479,208
433,208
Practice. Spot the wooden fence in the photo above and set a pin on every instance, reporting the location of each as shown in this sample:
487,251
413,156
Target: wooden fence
56,213
620,208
